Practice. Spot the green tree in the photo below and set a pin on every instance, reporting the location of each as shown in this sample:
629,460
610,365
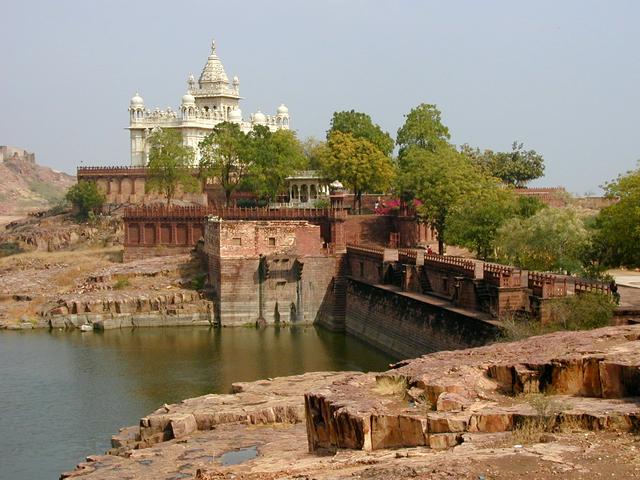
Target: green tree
528,206
170,163
517,167
314,150
617,227
225,156
422,128
85,197
358,164
443,180
360,125
475,224
274,157
551,240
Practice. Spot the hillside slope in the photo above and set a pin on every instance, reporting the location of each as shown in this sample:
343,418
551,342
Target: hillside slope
26,186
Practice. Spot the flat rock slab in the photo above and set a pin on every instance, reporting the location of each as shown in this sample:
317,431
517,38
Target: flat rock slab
588,378
282,454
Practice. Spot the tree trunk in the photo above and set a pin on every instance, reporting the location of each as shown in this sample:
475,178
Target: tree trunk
227,197
359,203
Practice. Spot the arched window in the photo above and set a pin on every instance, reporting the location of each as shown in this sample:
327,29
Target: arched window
313,192
304,194
295,193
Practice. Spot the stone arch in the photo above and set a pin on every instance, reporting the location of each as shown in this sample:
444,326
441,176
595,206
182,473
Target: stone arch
304,193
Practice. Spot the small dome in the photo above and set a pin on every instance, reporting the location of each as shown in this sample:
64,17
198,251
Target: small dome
137,101
235,115
259,118
282,109
188,99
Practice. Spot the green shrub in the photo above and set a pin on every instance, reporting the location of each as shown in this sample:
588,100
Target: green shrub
10,248
251,203
198,282
121,283
86,197
582,312
322,203
575,312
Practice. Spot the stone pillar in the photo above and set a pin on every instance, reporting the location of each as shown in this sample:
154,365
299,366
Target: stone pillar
141,226
338,237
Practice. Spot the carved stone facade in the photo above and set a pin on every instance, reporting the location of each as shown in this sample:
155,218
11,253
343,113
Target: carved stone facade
274,272
210,101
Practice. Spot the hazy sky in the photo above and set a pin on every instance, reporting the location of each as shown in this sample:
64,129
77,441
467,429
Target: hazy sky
561,76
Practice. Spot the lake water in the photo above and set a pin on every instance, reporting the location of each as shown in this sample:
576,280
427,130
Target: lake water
63,394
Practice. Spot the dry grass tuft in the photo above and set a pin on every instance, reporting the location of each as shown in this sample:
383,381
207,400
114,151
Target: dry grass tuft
548,418
391,386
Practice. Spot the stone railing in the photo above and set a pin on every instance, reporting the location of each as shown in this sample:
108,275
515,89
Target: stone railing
376,253
546,285
231,213
502,276
155,212
589,286
115,170
461,266
411,256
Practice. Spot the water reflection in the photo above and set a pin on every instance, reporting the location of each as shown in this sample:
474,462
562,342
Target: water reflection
64,393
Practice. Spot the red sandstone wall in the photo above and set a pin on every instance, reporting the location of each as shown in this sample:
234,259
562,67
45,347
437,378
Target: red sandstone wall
253,238
299,277
406,327
368,229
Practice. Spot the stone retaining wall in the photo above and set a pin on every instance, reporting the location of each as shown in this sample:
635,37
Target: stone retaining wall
405,326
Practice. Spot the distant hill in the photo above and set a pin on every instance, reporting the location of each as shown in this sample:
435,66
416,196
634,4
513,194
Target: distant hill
26,186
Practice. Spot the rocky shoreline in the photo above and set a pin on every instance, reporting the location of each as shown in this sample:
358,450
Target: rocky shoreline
146,293
549,405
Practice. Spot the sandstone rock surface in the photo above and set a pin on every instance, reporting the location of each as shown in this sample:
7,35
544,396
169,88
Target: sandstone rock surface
447,415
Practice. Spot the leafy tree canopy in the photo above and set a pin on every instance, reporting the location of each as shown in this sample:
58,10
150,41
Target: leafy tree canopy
225,156
475,224
169,165
443,180
85,197
313,149
358,164
423,128
274,156
517,167
551,240
617,236
360,125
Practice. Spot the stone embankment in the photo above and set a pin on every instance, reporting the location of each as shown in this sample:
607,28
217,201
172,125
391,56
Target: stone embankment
564,404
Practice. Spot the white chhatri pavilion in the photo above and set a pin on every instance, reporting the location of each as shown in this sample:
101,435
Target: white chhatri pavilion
211,101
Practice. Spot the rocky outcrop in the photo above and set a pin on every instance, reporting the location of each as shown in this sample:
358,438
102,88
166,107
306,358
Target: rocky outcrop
27,186
587,378
448,415
273,401
55,232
